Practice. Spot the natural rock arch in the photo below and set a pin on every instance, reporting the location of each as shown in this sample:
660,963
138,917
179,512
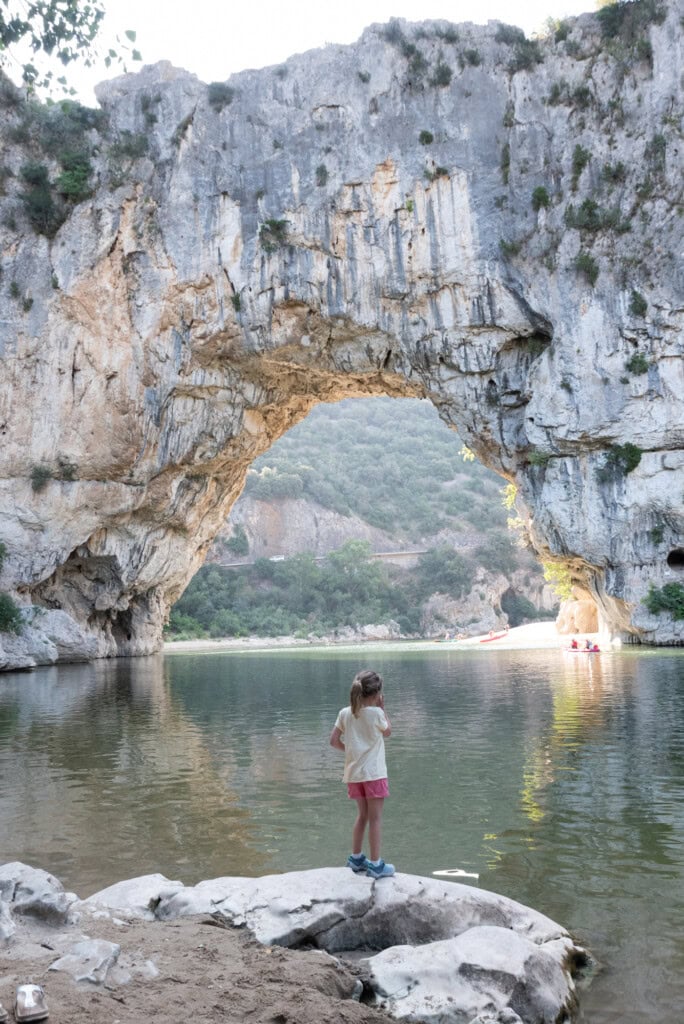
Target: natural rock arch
358,221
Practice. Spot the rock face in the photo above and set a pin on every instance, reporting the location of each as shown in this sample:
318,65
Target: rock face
448,953
450,213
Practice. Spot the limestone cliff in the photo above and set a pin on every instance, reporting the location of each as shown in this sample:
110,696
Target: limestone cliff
447,212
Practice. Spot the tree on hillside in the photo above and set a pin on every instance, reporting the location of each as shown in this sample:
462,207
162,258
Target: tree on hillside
64,30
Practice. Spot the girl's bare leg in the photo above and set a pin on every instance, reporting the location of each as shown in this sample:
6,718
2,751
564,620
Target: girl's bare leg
360,824
374,812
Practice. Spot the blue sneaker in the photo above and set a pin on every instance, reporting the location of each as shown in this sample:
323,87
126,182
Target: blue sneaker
357,864
379,870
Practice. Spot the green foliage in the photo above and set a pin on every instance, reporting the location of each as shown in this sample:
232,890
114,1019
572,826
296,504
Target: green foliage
637,364
10,615
558,576
509,248
236,301
40,476
669,598
471,57
220,95
442,75
130,145
637,304
426,138
537,458
364,76
615,173
526,53
44,216
509,35
505,162
14,290
273,234
586,265
442,570
627,20
592,217
519,610
497,554
540,198
509,115
438,172
620,460
580,159
238,543
656,151
321,175
3,554
73,181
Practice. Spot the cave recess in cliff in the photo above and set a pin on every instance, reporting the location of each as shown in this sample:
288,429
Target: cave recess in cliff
676,559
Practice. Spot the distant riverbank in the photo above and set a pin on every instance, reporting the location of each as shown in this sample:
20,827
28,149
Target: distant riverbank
542,635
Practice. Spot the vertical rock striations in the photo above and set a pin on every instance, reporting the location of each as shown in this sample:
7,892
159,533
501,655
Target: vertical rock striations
450,212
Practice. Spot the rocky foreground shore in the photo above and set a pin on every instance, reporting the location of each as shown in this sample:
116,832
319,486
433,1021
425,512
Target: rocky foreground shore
312,947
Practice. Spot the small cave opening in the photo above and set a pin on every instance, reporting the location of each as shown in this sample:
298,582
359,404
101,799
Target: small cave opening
675,559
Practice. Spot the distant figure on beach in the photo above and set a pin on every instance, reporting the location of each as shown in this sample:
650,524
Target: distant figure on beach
360,732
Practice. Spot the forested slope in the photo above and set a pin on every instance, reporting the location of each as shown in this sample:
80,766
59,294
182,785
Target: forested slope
398,468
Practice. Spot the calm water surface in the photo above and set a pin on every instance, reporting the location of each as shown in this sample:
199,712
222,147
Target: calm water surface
557,779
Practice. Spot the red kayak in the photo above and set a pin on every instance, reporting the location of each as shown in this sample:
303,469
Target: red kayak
498,636
582,650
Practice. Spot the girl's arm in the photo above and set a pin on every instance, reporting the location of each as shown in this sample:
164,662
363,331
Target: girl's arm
381,704
336,739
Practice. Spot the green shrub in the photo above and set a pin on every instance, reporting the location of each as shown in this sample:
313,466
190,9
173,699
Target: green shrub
509,34
615,173
130,145
669,598
637,364
3,554
220,95
637,304
505,162
526,54
472,57
627,21
540,198
537,458
237,302
238,544
441,76
655,152
580,159
586,265
321,175
40,475
14,290
44,216
425,138
273,234
364,76
509,248
10,615
620,460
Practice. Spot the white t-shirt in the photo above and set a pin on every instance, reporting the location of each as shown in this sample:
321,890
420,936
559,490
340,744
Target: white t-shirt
364,745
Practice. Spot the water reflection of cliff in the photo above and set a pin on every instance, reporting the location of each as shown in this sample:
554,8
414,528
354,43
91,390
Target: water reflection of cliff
100,766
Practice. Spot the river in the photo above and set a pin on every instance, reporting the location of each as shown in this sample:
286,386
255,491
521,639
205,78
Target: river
555,779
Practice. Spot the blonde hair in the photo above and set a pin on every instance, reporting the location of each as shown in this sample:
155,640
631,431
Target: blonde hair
366,684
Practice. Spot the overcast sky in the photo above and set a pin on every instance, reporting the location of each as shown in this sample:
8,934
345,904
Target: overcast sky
214,38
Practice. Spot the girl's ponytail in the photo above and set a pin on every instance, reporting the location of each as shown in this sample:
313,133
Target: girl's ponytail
366,684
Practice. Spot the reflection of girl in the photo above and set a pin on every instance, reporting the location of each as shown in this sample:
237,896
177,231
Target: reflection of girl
359,731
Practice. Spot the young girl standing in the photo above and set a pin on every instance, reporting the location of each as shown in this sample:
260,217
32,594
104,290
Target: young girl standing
360,732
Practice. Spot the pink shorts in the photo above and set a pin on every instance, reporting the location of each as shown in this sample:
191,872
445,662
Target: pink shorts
364,790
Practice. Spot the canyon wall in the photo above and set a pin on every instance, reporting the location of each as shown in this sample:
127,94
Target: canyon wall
446,212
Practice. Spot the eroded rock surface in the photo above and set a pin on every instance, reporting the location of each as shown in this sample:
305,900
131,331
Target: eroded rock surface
448,951
431,212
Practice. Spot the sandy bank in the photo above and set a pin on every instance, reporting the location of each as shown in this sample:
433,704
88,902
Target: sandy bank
534,635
